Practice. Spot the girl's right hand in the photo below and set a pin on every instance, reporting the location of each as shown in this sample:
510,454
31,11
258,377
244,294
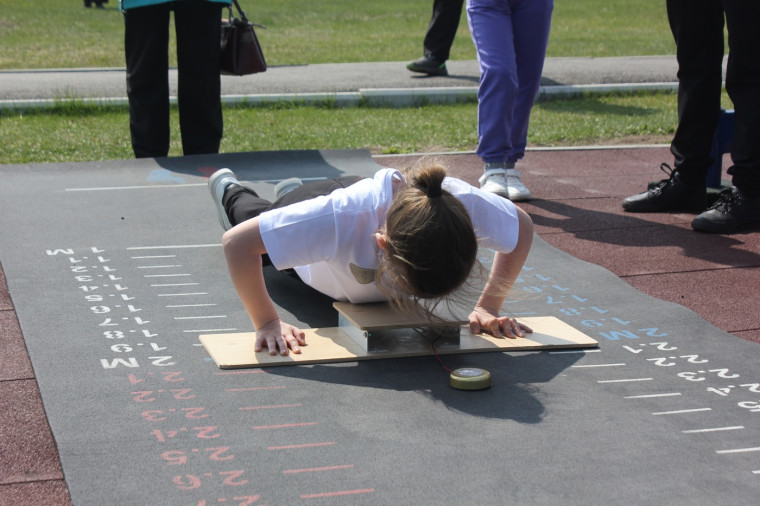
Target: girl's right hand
279,336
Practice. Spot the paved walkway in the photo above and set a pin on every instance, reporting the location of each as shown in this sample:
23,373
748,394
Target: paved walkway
387,79
576,208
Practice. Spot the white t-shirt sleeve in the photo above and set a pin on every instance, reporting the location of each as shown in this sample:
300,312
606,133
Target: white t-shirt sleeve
300,234
322,228
494,218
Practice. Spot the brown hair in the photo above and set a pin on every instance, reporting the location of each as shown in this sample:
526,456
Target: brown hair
431,245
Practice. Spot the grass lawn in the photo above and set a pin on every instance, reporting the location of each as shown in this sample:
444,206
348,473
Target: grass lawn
62,33
299,32
77,132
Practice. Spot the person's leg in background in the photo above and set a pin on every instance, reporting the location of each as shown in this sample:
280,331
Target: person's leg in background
739,207
198,26
743,87
146,46
531,22
697,29
439,38
493,35
698,32
443,28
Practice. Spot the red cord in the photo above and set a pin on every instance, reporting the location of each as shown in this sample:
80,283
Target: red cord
435,352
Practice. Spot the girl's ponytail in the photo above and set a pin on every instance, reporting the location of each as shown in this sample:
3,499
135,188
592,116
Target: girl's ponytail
429,179
431,246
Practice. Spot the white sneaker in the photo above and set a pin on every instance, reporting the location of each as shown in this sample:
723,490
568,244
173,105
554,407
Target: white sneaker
505,183
517,190
286,186
217,183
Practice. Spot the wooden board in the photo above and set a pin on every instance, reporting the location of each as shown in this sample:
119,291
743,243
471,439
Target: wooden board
330,344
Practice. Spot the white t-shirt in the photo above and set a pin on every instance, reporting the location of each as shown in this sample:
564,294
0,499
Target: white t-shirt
330,243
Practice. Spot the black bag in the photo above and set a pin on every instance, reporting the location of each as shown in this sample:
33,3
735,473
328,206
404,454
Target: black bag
241,52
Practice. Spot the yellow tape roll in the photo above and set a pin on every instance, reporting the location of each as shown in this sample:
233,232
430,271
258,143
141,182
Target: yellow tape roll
470,378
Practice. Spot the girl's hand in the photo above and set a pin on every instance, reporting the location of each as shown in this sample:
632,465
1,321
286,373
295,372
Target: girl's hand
483,320
279,336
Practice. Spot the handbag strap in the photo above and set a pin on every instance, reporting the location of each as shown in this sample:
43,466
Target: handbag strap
243,17
240,11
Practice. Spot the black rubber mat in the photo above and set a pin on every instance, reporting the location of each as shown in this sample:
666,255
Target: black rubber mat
116,268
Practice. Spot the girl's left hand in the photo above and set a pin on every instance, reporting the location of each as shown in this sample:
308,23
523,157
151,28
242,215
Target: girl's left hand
483,320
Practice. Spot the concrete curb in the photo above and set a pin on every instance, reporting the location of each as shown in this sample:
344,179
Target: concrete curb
398,97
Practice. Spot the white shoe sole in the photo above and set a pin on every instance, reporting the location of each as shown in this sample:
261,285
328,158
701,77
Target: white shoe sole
217,192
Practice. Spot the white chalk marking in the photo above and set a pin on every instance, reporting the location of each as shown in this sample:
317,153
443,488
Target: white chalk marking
188,305
738,450
210,317
180,294
174,284
208,330
626,380
596,365
176,246
682,411
649,396
714,429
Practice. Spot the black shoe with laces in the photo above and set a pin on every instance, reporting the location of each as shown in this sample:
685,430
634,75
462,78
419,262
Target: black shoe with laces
732,212
429,65
670,194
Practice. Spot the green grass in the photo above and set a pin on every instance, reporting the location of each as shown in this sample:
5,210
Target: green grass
74,131
77,132
62,33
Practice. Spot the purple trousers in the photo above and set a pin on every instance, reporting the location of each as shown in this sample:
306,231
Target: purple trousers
510,37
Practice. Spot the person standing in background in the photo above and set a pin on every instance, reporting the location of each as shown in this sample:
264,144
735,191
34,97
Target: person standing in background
697,28
439,38
511,37
146,45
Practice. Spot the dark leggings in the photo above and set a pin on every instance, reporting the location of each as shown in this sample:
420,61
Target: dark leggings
242,203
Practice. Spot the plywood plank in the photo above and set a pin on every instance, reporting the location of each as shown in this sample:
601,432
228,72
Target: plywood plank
330,344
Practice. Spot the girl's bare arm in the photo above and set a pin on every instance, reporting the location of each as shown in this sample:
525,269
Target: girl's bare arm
243,247
506,267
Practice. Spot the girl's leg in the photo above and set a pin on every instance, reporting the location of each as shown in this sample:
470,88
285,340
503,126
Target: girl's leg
531,21
242,203
314,189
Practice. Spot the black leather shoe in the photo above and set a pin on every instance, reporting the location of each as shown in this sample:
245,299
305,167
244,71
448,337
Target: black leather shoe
670,194
732,212
429,65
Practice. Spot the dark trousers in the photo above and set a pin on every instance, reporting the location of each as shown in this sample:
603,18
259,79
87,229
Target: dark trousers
442,28
697,27
242,203
146,44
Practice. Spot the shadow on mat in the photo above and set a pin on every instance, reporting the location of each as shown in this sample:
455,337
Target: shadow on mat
271,165
295,298
515,393
634,230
